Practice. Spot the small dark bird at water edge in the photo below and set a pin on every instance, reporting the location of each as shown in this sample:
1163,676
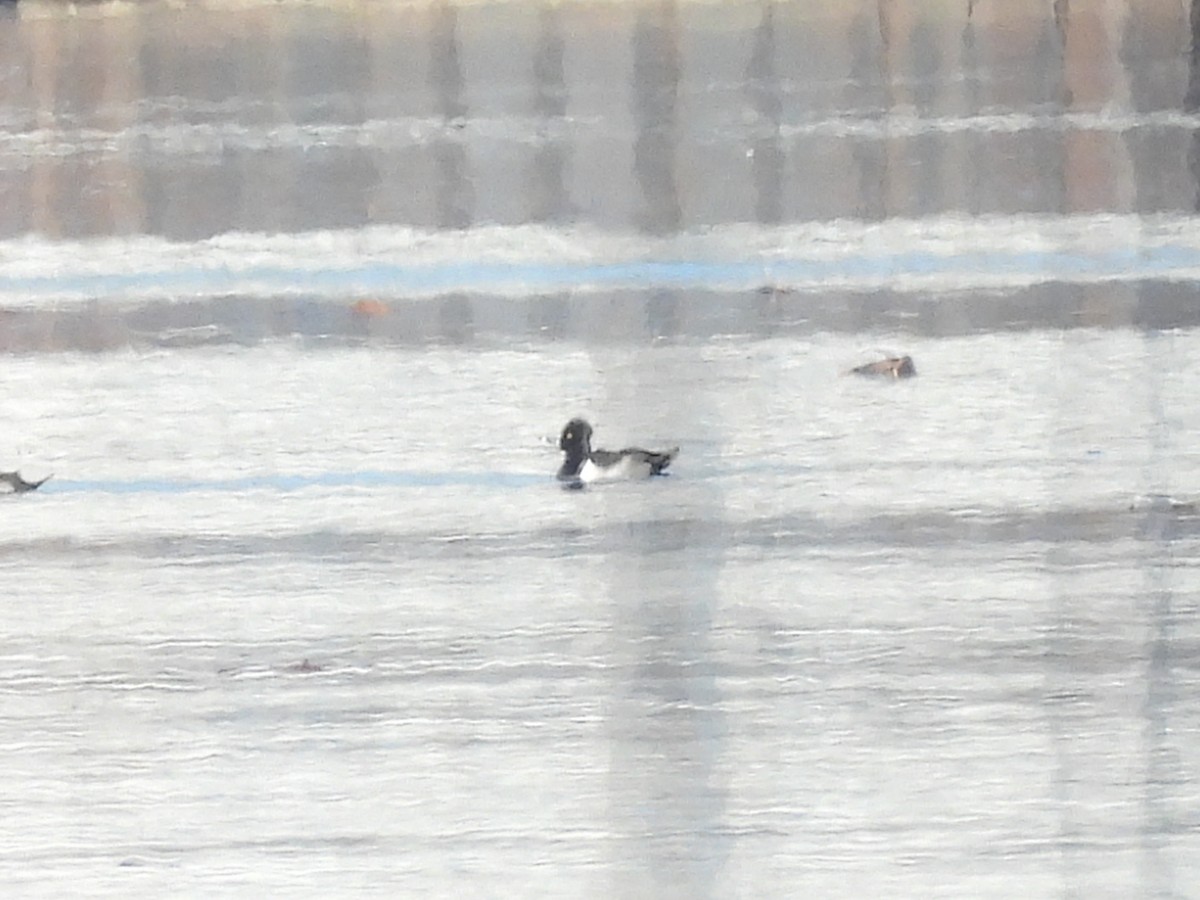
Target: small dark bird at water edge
19,485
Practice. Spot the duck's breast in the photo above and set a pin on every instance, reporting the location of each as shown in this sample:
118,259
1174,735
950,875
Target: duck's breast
623,468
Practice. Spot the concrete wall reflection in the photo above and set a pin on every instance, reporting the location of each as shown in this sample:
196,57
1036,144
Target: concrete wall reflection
659,116
186,122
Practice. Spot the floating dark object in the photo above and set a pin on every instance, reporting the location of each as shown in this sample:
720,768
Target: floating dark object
305,667
196,336
893,367
18,484
1160,503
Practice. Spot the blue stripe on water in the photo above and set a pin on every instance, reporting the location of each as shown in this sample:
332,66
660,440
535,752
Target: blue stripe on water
285,483
1123,264
425,480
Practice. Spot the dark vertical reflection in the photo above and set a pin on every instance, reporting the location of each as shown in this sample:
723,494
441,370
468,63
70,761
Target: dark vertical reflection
762,88
15,82
1160,775
455,198
46,175
662,314
972,97
1191,99
548,195
549,316
865,36
655,85
1062,12
456,319
1099,168
118,192
1049,57
1161,769
668,792
328,83
1061,697
931,174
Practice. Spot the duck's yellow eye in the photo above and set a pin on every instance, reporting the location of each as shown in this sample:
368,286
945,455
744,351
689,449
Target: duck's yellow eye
570,434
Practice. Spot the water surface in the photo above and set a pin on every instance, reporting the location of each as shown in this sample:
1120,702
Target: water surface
294,301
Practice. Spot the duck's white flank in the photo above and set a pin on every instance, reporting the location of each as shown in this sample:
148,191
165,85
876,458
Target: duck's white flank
625,469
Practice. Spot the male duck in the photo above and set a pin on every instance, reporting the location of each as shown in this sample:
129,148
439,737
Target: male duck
583,464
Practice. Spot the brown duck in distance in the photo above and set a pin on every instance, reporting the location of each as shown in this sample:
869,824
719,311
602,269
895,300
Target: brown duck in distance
893,367
18,484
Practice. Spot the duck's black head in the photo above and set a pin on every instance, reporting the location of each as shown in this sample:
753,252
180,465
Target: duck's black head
576,443
576,434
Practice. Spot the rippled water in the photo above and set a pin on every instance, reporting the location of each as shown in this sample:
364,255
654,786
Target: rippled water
295,299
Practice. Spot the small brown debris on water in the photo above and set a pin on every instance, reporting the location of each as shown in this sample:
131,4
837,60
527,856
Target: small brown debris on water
370,308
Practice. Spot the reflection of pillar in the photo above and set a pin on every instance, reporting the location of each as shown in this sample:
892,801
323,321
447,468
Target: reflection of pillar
268,192
991,164
655,85
456,319
333,61
662,314
121,180
45,65
763,94
918,45
892,41
1098,174
453,189
929,44
14,87
1060,9
1191,99
549,316
455,198
548,197
970,168
1059,682
664,718
868,159
1097,177
1157,873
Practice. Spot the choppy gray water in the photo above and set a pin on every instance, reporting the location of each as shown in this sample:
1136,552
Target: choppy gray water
294,300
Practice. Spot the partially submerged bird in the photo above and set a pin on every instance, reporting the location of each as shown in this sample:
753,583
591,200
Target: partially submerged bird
893,367
583,464
19,485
